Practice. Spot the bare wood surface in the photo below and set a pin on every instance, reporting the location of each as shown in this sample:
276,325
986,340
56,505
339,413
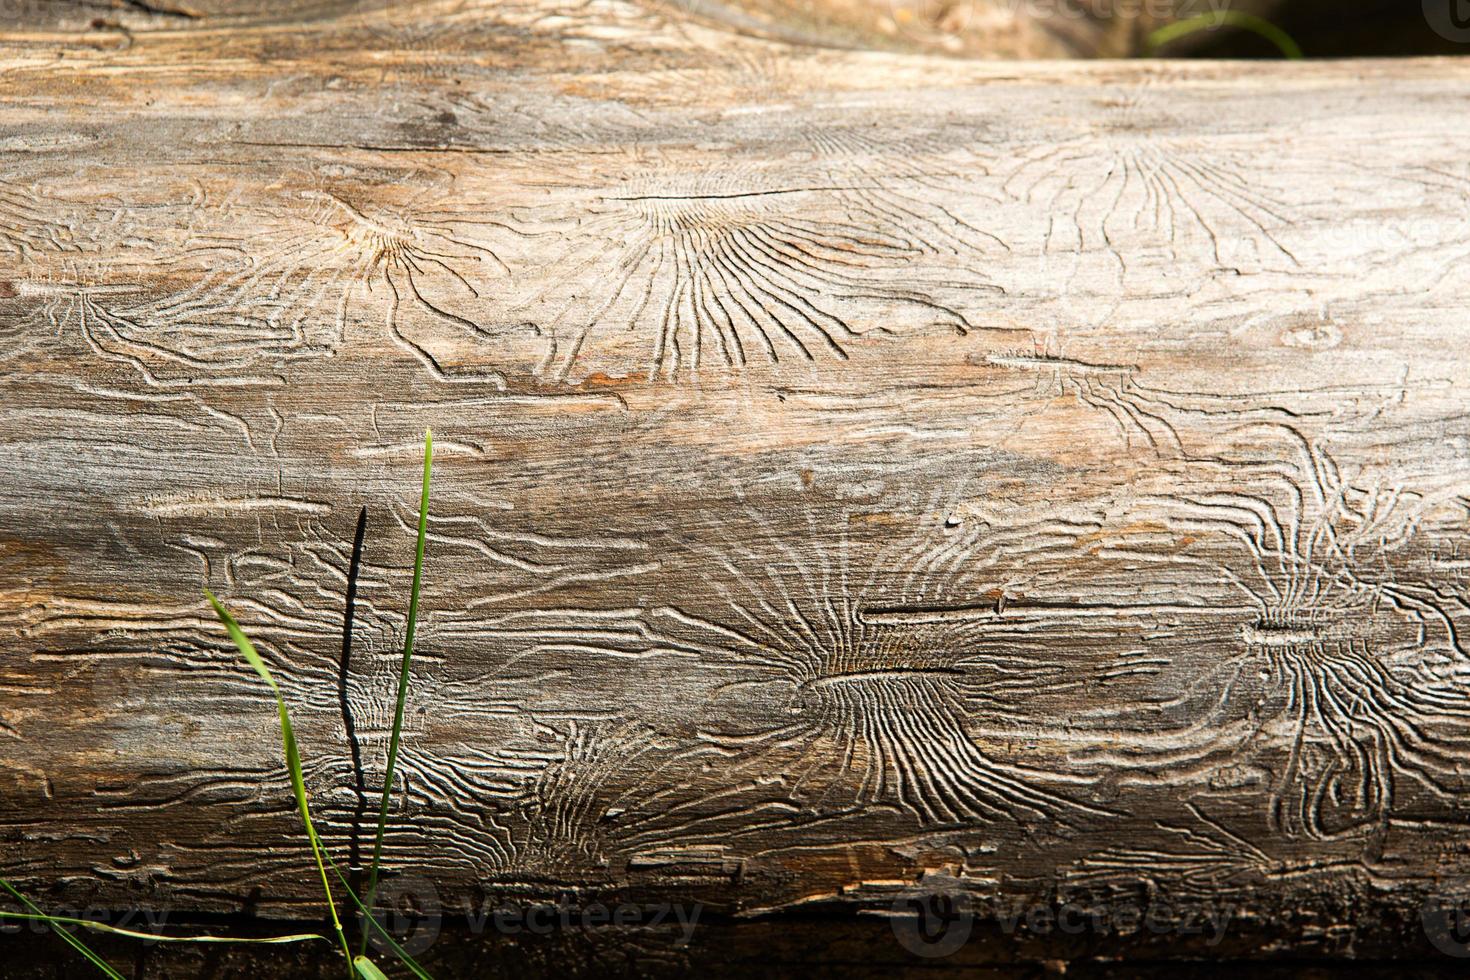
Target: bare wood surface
851,466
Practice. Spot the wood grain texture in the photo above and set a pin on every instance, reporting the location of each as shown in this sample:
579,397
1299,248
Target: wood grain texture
851,466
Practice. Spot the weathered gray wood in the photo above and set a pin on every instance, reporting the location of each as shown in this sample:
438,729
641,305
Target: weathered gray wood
851,466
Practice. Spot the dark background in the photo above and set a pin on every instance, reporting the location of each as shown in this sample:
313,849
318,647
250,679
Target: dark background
1327,29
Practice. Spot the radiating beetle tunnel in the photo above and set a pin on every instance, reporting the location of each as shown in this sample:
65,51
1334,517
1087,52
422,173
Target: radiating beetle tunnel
740,266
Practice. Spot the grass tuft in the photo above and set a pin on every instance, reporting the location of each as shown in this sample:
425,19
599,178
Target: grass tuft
358,966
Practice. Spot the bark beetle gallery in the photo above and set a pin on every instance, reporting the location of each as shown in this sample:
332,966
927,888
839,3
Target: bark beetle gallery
852,469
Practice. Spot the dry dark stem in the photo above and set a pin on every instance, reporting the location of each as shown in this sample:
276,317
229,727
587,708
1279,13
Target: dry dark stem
350,726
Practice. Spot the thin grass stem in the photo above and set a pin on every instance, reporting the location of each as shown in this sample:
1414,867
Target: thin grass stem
395,737
293,760
1225,18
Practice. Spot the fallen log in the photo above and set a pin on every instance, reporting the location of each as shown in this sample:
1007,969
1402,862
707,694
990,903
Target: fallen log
854,471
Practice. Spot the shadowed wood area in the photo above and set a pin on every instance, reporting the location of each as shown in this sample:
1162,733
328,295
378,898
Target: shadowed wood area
853,470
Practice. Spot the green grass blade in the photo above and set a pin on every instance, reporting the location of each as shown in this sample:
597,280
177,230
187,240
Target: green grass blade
413,615
293,757
247,649
73,941
1225,18
155,937
365,968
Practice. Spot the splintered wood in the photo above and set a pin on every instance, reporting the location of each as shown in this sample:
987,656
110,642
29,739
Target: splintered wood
850,468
